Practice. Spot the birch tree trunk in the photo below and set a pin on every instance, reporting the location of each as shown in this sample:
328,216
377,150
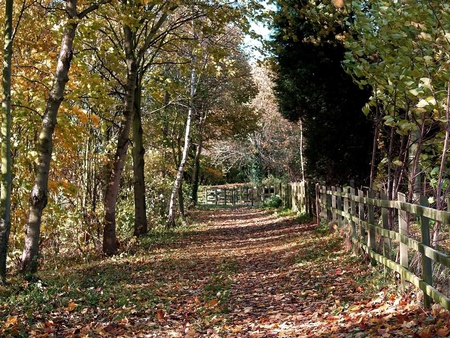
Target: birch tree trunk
302,162
196,174
198,153
140,209
5,135
180,172
38,198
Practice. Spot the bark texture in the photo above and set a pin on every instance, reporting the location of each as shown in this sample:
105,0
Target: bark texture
140,209
38,198
5,135
109,231
180,172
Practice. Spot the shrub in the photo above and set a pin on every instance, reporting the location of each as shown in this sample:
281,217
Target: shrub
273,202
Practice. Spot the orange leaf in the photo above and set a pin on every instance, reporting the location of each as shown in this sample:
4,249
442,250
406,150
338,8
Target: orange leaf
425,333
160,314
11,321
444,332
212,302
71,306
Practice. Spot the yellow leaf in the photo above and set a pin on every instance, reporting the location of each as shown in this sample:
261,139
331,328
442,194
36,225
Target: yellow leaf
212,302
11,321
354,308
71,306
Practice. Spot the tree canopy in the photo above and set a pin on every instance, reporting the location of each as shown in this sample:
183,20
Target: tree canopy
312,86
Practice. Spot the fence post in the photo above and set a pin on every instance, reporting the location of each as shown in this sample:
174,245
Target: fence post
362,231
309,199
427,272
318,206
323,202
333,203
352,220
385,241
346,202
328,203
371,238
339,206
403,230
293,196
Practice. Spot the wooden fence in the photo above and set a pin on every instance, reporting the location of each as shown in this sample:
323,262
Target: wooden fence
393,233
237,194
295,196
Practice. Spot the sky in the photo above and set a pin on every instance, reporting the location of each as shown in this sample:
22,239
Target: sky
260,29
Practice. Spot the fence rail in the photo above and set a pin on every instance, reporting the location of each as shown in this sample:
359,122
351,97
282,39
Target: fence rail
295,196
382,229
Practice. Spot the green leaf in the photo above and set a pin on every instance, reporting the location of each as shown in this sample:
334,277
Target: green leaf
415,92
422,103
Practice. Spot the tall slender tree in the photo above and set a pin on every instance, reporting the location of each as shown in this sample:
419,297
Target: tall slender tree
149,33
5,136
176,190
39,198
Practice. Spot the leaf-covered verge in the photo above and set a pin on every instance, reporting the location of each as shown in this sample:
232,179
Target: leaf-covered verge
237,273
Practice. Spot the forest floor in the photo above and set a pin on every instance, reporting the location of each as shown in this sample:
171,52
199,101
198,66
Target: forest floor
238,272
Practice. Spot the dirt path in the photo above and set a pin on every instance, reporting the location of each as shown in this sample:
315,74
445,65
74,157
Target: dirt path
259,275
239,273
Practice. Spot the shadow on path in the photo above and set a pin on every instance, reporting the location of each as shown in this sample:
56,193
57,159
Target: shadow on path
242,272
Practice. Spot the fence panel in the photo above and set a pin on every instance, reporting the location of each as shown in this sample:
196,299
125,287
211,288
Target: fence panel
339,204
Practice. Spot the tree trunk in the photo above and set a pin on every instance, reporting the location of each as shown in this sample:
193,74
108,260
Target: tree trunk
140,210
374,146
196,173
5,135
165,134
180,172
198,153
181,201
302,162
414,180
439,194
38,198
112,190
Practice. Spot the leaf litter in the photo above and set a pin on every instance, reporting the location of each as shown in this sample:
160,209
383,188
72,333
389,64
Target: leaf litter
239,272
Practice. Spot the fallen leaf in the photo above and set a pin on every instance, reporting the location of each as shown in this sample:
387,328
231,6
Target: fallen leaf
443,332
160,314
71,306
212,302
11,321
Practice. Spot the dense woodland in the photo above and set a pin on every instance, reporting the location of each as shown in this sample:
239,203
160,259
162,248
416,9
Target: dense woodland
397,53
114,112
